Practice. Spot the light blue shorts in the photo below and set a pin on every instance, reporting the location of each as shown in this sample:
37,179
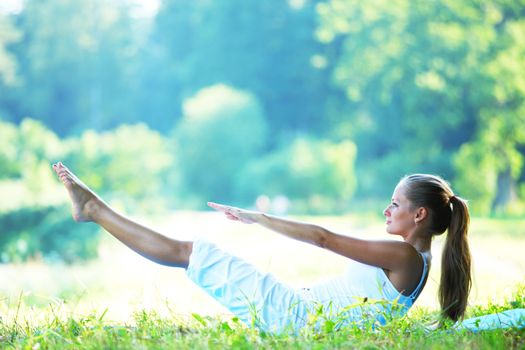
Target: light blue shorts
255,297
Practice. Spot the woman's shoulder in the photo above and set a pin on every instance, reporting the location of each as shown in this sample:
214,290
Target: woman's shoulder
405,252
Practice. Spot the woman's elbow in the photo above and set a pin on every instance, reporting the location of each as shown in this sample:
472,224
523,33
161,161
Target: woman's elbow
322,237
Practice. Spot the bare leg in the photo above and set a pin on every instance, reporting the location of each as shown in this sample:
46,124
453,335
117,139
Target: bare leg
87,206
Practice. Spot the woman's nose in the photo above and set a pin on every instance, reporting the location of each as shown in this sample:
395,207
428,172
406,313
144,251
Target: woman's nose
386,212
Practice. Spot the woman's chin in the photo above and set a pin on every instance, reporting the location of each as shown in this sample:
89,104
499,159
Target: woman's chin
389,230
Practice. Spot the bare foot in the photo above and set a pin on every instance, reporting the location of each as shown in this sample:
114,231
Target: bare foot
85,202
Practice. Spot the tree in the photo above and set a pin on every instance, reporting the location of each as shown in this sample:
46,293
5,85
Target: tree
222,129
317,175
131,165
76,64
8,63
424,78
265,47
499,141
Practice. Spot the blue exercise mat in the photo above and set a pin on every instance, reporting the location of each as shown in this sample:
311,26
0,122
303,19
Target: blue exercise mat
506,319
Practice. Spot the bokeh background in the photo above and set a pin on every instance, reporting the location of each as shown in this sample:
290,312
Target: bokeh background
308,108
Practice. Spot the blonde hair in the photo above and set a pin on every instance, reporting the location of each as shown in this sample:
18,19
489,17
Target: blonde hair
447,212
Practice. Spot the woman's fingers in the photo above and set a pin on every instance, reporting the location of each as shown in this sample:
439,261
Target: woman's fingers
217,206
222,207
233,213
232,217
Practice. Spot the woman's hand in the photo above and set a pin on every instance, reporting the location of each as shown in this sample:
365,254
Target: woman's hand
236,214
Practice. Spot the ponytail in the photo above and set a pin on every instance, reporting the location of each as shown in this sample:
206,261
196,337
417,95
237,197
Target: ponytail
456,279
447,212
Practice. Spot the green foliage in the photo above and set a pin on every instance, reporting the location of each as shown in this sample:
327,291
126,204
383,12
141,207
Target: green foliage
8,63
490,167
31,223
73,60
48,232
428,86
35,223
25,173
26,148
476,176
379,178
318,176
131,161
266,49
429,77
221,131
8,156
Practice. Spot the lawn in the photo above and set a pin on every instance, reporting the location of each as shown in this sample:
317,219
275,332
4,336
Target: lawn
121,300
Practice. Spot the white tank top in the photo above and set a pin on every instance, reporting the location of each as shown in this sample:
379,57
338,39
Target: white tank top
365,289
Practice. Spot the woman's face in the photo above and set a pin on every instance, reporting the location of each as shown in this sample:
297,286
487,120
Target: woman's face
400,217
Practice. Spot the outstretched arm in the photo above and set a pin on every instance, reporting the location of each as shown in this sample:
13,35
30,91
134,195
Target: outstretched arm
390,255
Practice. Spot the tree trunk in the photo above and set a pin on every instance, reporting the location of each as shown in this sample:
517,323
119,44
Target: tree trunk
506,191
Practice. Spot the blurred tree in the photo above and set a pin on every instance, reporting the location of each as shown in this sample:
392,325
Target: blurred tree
424,78
265,47
9,166
131,165
76,64
26,153
8,64
222,129
433,86
400,77
131,161
499,141
33,220
317,175
46,232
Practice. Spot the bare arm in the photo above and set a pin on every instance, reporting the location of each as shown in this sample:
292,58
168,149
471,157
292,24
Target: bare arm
390,255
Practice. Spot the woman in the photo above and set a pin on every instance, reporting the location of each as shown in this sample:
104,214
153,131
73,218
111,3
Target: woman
383,280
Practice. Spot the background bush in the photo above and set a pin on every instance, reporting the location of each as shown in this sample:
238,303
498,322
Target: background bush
46,232
127,165
316,175
221,131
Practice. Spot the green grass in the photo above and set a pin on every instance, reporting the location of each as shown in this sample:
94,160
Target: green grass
148,330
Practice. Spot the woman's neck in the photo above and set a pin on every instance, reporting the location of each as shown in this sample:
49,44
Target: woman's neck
420,241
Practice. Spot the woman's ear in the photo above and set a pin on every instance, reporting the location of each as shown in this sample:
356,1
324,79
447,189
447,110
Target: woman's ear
421,214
